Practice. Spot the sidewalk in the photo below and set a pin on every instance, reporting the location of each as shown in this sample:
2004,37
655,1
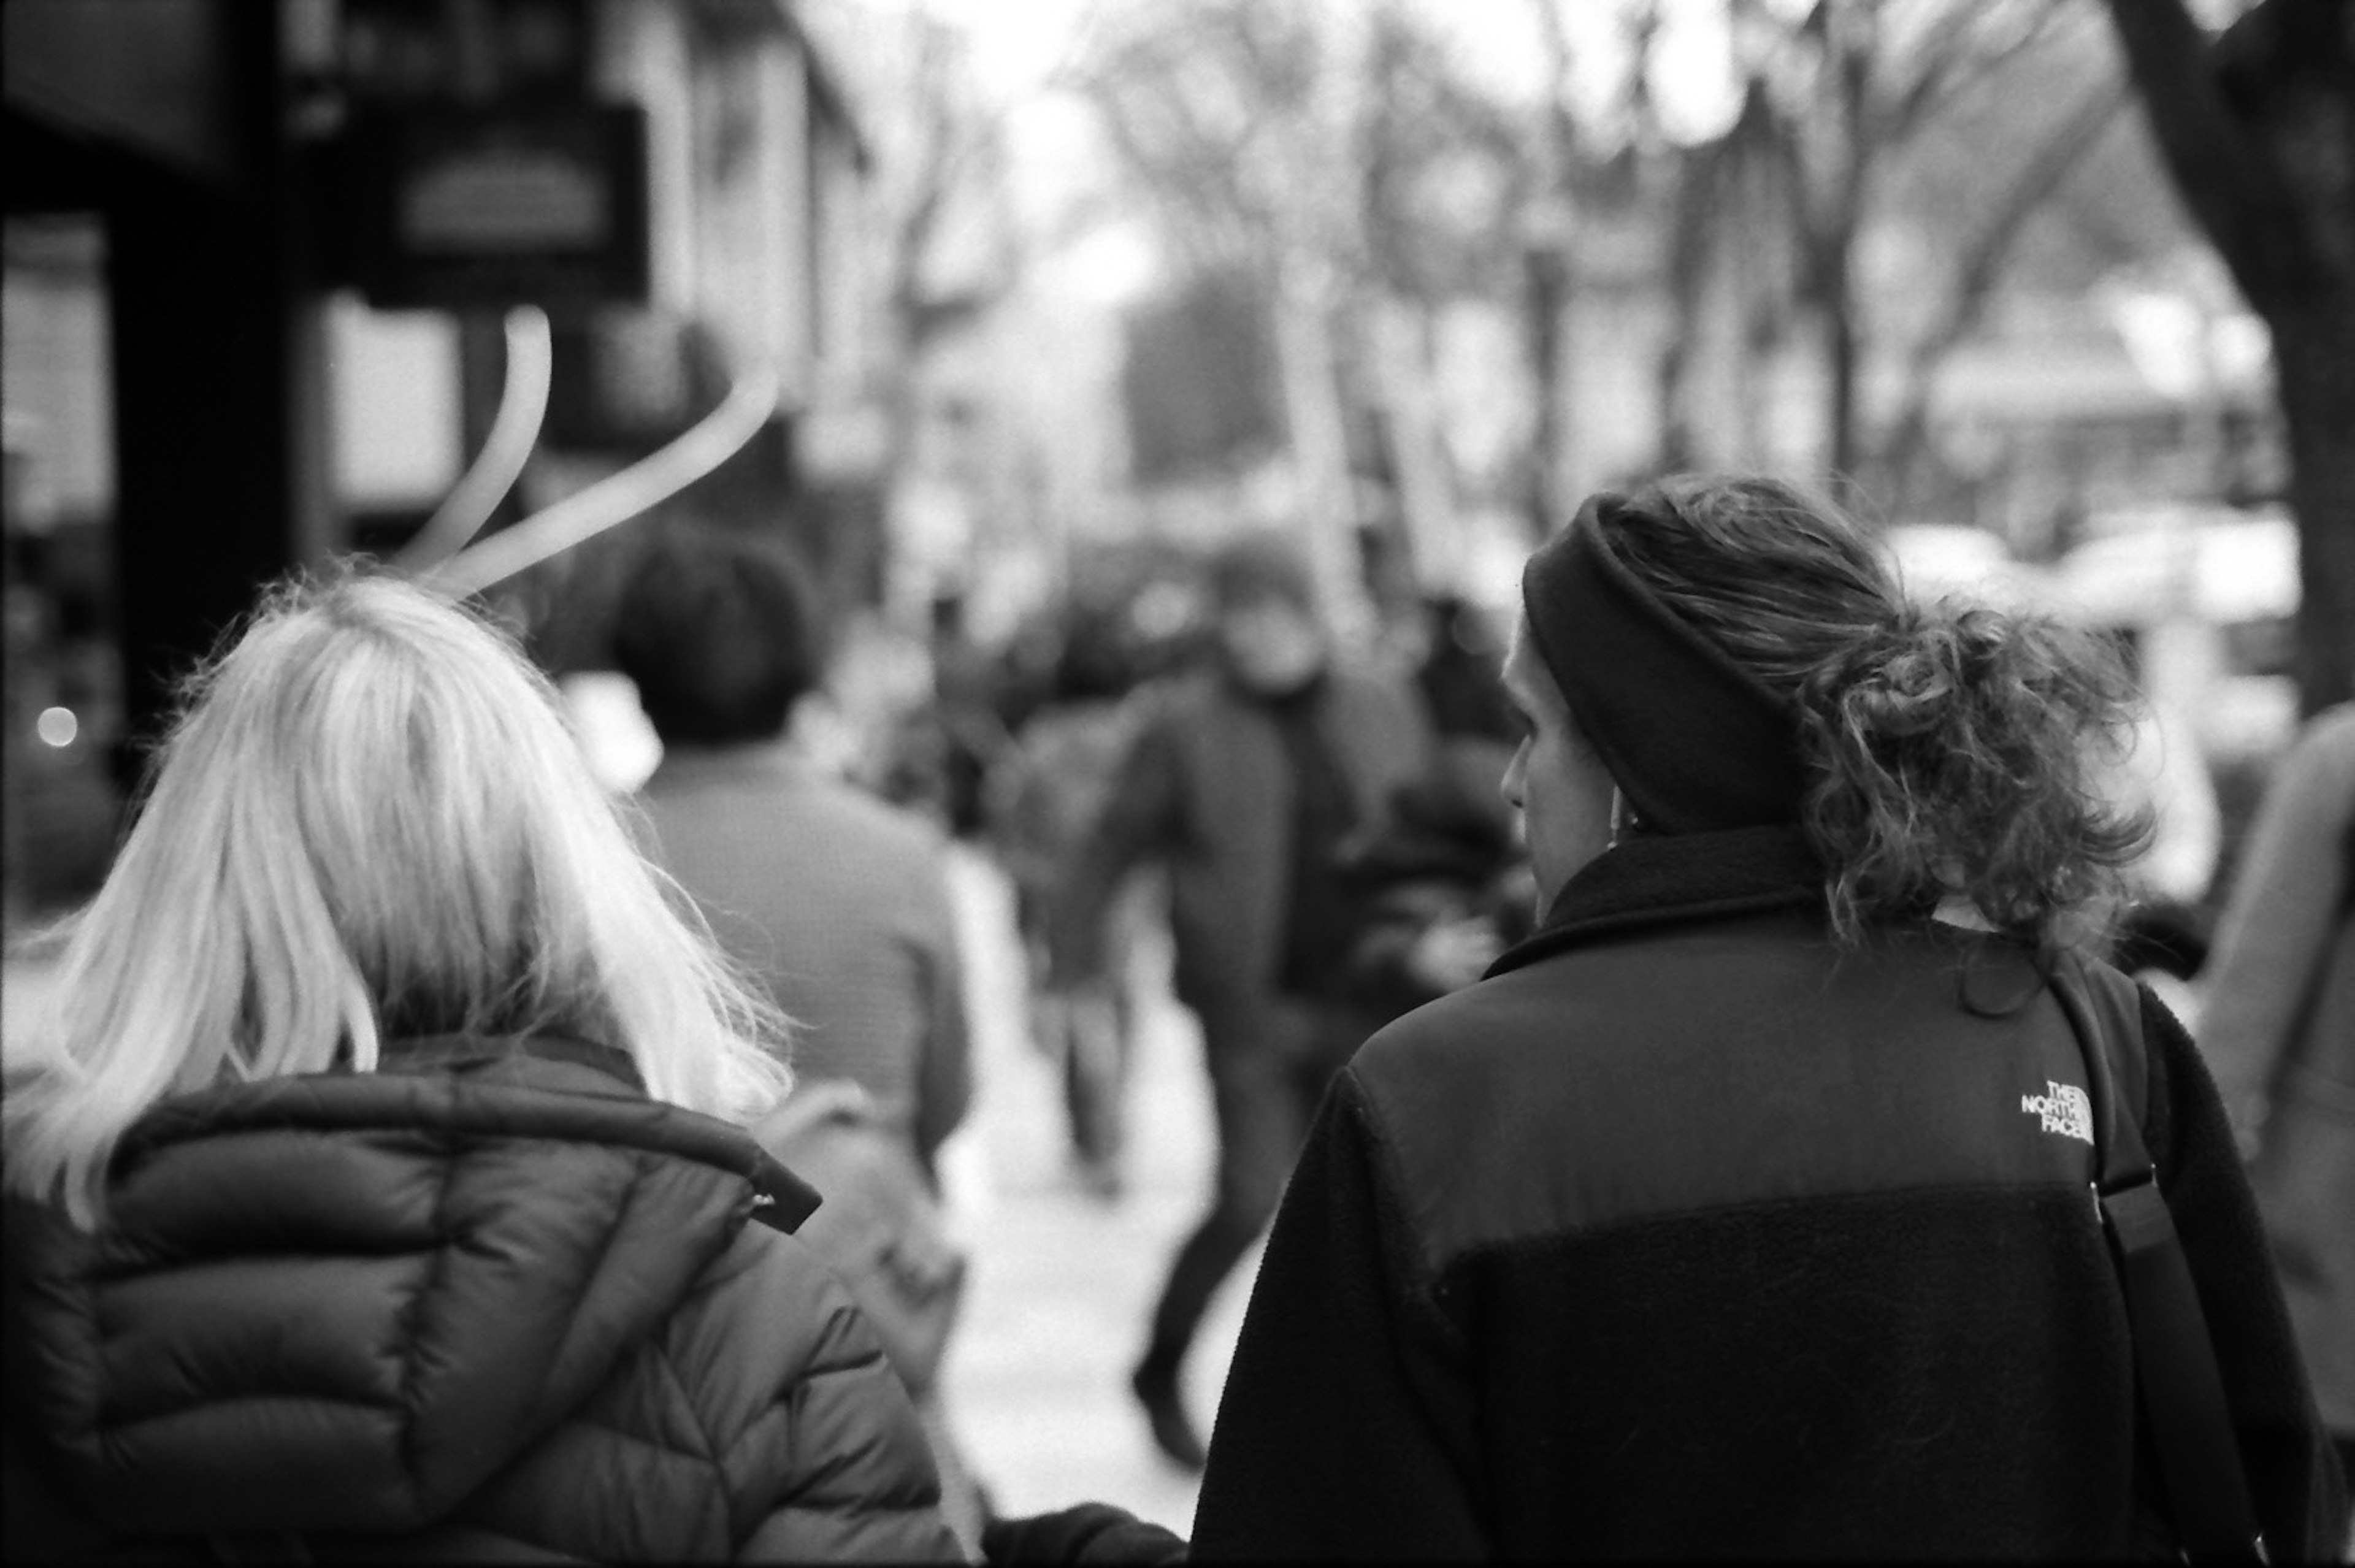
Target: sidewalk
1062,1282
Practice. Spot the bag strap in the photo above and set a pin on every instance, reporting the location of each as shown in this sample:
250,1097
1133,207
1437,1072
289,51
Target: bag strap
2175,1359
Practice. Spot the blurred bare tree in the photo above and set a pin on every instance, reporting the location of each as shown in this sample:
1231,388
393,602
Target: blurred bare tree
1234,117
2035,168
1444,176
1842,101
1343,158
1890,170
948,245
2257,125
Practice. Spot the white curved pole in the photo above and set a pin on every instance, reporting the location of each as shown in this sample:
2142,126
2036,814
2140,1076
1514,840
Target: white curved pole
617,498
515,429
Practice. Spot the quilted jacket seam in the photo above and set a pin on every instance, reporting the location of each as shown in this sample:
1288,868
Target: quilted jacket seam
217,1401
86,1283
604,1249
713,1452
852,1361
411,1336
644,1440
682,1135
783,1497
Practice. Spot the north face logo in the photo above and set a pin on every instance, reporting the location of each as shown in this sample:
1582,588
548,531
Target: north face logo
2064,1108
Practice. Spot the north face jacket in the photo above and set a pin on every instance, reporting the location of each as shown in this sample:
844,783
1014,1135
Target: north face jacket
480,1303
1684,1235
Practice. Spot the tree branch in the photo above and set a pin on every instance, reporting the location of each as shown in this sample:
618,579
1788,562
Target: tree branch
2228,183
1983,259
1958,55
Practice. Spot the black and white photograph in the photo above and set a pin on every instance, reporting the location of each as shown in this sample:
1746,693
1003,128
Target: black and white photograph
1140,780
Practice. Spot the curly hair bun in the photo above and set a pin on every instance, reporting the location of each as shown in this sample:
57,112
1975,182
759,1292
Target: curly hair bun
1953,751
1946,748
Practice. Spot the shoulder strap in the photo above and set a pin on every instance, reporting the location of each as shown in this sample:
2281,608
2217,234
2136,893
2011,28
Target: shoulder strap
2175,1360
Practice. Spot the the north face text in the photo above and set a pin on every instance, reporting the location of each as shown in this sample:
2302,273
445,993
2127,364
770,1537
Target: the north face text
2064,1109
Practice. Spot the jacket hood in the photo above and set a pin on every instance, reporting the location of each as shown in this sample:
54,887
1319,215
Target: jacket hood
343,1302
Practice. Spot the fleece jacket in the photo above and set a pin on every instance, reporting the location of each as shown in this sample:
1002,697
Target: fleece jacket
1688,1232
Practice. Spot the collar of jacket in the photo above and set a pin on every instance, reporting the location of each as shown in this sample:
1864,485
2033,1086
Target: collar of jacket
1657,879
459,1054
780,1200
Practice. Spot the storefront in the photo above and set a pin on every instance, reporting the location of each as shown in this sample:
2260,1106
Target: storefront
160,357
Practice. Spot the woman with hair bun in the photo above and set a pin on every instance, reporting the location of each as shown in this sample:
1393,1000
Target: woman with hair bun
379,1185
1742,1208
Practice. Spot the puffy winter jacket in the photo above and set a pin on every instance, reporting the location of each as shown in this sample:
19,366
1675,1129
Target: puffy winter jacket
481,1302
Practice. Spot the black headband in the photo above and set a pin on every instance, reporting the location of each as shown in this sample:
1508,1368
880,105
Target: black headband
1693,741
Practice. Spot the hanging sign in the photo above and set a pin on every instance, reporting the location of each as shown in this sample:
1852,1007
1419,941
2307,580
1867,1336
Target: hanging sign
461,208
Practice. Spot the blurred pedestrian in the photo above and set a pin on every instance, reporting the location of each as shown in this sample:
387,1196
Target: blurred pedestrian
2278,1030
1445,880
968,727
379,1188
1743,1208
1045,793
1446,888
1458,671
838,902
1248,783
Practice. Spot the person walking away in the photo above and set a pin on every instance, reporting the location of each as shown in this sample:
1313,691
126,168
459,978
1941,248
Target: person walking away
1247,785
1044,794
378,1186
2278,1030
1743,1208
1444,884
836,902
1457,673
967,718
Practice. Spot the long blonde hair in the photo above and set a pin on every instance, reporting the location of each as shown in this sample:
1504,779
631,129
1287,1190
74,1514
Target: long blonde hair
370,821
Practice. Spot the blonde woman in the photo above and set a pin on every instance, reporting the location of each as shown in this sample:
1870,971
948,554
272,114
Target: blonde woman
379,1183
